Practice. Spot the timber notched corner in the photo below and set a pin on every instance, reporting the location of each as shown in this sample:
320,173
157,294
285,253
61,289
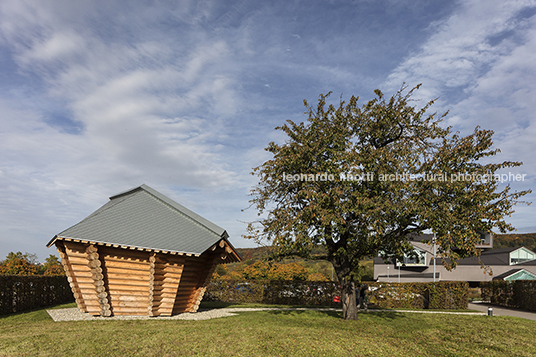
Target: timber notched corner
141,254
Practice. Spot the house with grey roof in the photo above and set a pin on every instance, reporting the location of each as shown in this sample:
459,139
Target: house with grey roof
506,263
142,254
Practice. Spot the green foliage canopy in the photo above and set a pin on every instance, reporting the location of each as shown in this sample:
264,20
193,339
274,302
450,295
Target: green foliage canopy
19,264
527,240
360,180
27,264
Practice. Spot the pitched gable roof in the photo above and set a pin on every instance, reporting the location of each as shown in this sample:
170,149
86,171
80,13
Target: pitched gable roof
144,218
516,274
500,250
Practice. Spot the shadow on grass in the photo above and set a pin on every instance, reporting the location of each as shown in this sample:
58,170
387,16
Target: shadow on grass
220,305
51,307
336,314
215,305
387,315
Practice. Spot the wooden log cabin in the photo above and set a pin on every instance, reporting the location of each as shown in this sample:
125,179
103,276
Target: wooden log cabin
141,254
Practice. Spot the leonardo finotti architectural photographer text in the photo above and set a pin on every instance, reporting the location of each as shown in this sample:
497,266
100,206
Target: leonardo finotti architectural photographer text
369,176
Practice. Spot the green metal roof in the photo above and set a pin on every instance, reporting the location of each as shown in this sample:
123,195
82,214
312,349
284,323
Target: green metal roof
144,218
516,274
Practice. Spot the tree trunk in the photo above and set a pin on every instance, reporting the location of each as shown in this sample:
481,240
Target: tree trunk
349,305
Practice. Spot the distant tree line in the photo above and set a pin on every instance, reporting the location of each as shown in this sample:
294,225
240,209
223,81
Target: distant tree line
261,270
27,264
527,240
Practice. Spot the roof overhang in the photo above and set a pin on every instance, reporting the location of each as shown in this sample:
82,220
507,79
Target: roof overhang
229,252
231,255
122,246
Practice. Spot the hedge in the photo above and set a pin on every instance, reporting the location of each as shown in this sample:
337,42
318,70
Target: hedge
273,292
26,292
440,295
520,294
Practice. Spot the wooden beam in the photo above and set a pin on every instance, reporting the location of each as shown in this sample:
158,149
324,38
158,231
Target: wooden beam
149,302
204,278
167,277
71,277
128,276
98,279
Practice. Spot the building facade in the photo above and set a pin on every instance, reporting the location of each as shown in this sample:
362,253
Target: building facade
142,254
492,263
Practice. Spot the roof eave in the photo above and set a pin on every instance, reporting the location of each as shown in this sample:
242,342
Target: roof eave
51,241
123,246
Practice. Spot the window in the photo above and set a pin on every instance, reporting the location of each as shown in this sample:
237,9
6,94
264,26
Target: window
521,255
485,238
410,261
521,275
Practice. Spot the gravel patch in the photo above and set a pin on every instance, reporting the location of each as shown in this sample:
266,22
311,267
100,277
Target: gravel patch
74,314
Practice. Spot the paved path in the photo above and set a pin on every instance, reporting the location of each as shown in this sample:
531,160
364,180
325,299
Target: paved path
502,311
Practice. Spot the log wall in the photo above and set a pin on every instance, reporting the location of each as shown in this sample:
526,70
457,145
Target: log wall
108,280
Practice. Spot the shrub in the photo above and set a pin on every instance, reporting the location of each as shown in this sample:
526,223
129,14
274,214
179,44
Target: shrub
440,295
25,292
519,294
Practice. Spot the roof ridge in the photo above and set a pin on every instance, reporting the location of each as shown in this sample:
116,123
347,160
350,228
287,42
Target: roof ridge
182,209
143,217
108,205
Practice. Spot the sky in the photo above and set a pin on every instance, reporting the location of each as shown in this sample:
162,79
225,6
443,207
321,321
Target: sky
97,97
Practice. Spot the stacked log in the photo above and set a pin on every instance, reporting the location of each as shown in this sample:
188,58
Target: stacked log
202,287
219,254
71,278
108,280
168,274
188,284
79,265
128,278
150,305
98,280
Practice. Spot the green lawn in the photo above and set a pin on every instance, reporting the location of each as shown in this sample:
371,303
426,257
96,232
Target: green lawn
271,333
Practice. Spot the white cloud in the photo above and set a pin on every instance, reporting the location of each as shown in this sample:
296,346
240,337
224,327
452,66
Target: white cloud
459,48
148,115
184,97
479,61
59,46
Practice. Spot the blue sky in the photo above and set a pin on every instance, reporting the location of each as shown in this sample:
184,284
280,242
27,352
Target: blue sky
97,97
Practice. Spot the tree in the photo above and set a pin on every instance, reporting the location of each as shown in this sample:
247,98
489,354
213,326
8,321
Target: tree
317,277
273,271
288,271
527,240
52,266
19,264
359,180
256,271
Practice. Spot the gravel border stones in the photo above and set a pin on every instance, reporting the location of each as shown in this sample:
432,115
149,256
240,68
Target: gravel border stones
74,314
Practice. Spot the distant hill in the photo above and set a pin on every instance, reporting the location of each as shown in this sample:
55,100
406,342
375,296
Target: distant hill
254,254
251,255
527,240
260,253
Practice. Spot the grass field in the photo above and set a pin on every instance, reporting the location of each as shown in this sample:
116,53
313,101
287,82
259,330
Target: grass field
271,333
